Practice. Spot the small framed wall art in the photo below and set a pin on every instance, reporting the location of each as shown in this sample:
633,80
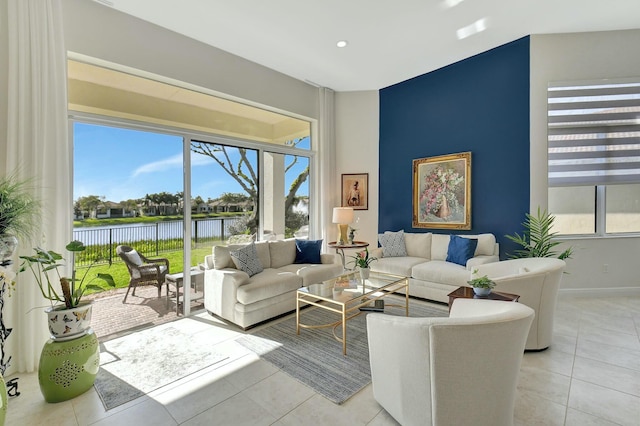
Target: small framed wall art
355,191
442,191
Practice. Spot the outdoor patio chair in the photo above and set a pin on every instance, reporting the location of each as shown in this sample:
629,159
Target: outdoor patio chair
142,270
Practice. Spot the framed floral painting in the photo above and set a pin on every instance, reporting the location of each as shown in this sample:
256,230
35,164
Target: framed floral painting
355,191
442,192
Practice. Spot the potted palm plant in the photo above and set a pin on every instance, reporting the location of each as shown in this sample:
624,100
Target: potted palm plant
537,240
72,318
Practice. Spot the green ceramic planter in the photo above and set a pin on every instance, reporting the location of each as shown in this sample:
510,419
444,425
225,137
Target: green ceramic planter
68,369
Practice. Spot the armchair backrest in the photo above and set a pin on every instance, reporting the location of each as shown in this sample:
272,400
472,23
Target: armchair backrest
536,280
457,370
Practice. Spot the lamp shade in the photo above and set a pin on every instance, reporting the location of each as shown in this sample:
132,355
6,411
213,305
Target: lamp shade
342,215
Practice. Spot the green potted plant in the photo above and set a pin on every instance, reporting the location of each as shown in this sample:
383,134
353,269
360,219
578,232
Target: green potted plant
362,260
482,286
537,238
72,318
19,215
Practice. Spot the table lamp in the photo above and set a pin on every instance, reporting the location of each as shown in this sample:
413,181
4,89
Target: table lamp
343,216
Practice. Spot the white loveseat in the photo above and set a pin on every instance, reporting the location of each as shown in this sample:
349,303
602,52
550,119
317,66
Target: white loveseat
246,300
430,275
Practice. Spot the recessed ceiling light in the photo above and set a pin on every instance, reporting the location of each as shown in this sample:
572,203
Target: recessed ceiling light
451,3
342,43
475,28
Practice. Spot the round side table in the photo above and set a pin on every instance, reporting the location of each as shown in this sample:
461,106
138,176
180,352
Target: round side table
68,368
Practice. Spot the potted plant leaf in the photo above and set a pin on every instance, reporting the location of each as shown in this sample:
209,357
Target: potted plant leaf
71,319
537,240
19,215
482,286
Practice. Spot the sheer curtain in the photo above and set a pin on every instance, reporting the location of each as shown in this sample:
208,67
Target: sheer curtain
37,148
328,181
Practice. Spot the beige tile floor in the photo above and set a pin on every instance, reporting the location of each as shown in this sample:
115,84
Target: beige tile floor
590,376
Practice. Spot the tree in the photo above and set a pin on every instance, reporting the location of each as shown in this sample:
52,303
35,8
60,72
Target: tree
245,175
131,205
90,203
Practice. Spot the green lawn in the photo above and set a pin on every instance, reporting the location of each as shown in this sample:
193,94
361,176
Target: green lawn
121,276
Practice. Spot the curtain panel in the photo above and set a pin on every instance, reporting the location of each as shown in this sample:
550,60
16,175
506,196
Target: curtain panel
38,148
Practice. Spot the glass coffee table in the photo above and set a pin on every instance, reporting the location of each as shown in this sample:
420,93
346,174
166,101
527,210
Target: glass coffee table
345,295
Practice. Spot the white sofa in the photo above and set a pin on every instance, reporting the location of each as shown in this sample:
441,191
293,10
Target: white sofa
246,300
460,370
536,280
430,275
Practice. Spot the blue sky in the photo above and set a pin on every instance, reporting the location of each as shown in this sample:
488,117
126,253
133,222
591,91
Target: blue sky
122,164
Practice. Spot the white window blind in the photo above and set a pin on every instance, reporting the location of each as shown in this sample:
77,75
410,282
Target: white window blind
594,133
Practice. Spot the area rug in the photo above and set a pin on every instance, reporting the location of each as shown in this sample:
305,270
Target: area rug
141,362
315,358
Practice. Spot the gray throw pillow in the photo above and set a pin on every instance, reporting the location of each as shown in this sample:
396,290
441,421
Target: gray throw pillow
133,257
246,259
392,244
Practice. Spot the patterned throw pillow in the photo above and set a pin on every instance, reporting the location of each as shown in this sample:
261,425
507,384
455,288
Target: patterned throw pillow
392,244
246,259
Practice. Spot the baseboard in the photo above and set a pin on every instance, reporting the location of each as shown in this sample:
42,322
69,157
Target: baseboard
599,292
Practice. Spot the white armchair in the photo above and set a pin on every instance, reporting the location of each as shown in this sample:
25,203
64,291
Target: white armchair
461,370
536,280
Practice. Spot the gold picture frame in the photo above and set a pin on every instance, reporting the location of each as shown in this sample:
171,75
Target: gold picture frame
355,190
442,192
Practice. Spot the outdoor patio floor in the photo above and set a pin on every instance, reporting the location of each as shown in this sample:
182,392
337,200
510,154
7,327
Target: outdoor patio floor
112,318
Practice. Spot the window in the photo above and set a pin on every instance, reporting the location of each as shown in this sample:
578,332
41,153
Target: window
248,171
594,157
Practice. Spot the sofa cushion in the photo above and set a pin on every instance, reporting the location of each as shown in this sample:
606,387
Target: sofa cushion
418,244
486,244
308,251
442,272
461,249
268,283
222,256
439,246
314,273
246,259
283,252
396,265
392,244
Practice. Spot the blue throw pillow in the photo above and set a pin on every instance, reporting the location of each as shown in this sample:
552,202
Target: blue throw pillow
461,249
308,251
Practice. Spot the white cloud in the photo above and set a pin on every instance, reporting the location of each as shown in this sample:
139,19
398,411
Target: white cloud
174,162
159,166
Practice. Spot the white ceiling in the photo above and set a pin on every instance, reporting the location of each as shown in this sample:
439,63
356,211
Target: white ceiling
389,41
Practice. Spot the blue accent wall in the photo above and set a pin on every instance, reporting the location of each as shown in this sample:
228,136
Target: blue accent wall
480,104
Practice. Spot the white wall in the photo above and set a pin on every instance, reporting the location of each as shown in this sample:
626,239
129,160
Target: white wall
4,82
357,140
98,31
571,57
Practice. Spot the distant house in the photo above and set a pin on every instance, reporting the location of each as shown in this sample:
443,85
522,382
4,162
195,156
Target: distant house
202,208
160,210
220,206
109,209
